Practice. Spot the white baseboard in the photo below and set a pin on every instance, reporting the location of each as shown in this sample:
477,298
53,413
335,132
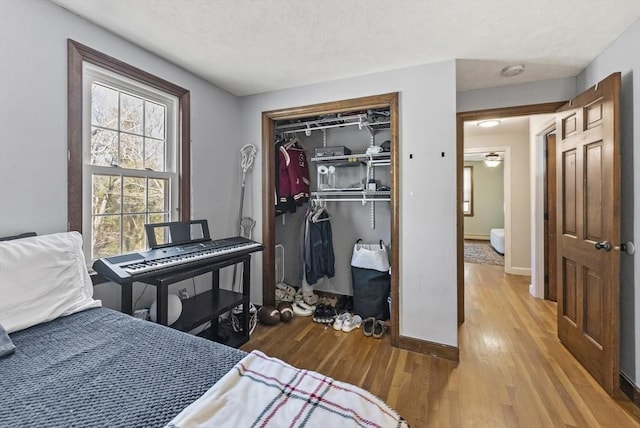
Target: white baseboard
518,271
476,237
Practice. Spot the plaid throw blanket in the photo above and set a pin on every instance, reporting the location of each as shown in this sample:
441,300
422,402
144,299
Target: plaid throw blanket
261,391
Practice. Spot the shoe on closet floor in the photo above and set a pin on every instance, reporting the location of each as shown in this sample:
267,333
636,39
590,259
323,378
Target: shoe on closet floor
368,326
302,311
285,293
328,300
309,299
340,319
352,323
379,329
324,314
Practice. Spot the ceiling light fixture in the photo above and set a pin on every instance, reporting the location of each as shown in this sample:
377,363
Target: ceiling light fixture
512,70
488,123
492,160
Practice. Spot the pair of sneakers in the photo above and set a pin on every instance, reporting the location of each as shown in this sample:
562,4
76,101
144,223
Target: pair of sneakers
347,322
285,293
324,314
374,327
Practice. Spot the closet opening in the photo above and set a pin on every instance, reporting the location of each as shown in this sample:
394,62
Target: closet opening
351,149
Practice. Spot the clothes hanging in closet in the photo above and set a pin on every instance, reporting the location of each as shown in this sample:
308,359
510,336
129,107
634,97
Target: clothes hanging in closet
316,249
292,176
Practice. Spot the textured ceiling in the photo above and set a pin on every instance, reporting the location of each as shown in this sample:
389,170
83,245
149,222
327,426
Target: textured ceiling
250,46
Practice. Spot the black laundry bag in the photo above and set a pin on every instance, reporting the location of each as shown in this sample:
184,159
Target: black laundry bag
371,280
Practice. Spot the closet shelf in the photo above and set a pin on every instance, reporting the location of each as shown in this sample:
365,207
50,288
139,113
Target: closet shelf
363,121
360,157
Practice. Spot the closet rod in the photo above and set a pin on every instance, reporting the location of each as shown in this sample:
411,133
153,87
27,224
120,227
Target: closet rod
319,128
365,200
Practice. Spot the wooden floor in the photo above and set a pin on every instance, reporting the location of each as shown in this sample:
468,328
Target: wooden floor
513,371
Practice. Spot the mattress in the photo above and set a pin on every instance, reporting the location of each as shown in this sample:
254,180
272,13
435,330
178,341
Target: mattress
101,368
496,238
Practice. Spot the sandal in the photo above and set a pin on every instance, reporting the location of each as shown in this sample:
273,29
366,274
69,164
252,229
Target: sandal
379,327
367,326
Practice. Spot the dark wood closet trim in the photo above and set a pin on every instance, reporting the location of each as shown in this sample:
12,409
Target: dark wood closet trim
475,115
438,350
549,219
78,53
268,182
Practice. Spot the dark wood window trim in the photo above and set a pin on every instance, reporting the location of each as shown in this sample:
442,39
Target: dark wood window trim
77,54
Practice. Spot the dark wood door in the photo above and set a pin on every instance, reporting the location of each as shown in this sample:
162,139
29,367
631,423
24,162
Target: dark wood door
588,217
550,253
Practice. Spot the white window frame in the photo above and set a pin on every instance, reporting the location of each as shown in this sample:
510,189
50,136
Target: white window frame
467,190
92,73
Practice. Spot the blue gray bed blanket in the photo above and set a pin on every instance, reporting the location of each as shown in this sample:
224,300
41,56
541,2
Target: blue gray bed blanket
101,368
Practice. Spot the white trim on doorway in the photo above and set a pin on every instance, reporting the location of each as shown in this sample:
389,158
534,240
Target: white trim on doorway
538,132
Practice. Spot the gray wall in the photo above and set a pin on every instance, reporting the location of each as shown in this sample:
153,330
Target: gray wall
427,184
33,119
488,200
623,55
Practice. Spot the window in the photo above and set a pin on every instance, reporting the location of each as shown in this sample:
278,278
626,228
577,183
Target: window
130,176
467,191
128,155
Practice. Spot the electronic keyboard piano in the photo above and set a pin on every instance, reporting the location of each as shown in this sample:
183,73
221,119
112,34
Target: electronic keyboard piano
127,268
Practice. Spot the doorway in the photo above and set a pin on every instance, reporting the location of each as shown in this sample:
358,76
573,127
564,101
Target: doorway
479,115
485,224
587,206
269,119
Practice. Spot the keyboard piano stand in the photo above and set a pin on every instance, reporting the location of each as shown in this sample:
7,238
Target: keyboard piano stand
207,306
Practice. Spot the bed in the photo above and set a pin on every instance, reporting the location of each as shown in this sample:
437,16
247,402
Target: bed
496,238
67,361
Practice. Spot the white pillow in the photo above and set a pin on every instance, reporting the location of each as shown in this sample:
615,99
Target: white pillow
43,278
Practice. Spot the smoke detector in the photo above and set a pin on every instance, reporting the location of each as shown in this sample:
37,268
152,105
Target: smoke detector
512,70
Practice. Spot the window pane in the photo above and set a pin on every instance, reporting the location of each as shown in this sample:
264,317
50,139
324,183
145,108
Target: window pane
467,190
134,195
106,236
131,114
133,235
106,194
154,115
154,154
104,106
104,147
158,218
131,152
158,197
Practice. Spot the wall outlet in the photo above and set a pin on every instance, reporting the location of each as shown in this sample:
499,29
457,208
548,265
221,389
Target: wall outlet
183,294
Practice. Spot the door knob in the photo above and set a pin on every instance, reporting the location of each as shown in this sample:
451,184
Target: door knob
627,247
604,245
